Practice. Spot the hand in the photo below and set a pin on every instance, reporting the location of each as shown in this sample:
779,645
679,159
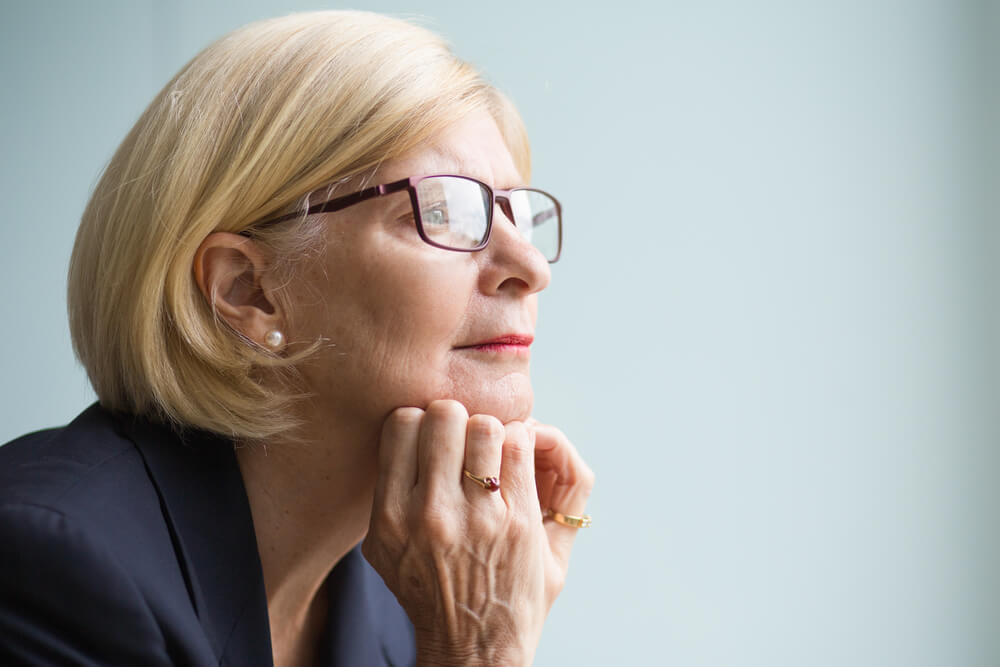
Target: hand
476,571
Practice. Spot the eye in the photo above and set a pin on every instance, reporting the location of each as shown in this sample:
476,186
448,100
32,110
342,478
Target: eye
434,217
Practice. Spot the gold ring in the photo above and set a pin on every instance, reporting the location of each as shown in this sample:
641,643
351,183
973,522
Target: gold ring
488,483
582,521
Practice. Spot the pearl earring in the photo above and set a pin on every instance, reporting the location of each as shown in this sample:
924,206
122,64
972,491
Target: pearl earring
274,338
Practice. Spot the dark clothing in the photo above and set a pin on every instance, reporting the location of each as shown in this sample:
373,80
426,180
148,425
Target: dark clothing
125,543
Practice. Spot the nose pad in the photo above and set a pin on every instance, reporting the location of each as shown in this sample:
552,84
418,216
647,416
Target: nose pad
516,259
504,204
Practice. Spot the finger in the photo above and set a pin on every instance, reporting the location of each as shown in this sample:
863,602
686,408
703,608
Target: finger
545,481
483,445
441,447
517,468
570,486
397,456
558,460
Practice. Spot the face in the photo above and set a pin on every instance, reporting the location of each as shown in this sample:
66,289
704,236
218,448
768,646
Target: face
403,323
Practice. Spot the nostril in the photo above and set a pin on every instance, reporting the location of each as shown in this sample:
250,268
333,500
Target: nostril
515,284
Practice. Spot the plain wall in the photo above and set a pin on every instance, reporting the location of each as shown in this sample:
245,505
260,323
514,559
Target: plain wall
772,333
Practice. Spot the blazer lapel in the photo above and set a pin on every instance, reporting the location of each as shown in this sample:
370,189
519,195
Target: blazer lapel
366,625
206,507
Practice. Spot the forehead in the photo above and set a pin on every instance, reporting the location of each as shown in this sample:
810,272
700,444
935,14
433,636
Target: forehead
472,147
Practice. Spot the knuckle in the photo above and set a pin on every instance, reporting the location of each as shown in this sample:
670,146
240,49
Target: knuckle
558,433
387,527
383,519
516,432
517,449
485,427
447,409
403,417
519,528
486,525
437,524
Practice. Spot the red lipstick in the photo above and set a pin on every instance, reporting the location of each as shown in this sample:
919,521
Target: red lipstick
508,342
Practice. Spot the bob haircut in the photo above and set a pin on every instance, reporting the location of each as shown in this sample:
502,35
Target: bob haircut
247,130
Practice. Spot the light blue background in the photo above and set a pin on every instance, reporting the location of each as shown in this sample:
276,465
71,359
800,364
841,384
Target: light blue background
773,333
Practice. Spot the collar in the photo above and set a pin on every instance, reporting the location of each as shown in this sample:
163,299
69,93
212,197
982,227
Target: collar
208,514
365,624
207,511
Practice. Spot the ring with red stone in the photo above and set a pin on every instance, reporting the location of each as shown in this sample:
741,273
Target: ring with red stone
488,483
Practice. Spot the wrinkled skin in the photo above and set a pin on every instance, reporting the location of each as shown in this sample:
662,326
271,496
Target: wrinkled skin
477,572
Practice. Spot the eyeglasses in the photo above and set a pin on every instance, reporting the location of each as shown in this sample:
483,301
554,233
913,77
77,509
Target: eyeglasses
456,212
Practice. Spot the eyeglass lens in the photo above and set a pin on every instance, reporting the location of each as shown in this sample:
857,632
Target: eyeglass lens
454,212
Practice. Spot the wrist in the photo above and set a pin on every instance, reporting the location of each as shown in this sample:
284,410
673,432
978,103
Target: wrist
432,653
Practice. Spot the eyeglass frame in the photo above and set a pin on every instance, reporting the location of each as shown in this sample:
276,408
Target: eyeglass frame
498,196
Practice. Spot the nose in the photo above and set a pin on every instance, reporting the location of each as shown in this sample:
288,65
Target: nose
510,262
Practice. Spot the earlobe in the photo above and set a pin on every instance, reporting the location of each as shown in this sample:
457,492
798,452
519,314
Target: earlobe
231,272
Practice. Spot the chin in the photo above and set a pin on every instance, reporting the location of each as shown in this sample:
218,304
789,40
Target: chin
509,398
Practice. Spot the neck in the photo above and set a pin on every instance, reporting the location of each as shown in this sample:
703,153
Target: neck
311,502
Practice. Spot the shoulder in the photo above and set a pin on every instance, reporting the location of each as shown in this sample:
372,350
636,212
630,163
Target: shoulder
65,597
63,467
89,474
82,532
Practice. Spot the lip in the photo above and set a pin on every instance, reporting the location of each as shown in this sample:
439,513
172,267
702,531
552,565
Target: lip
507,342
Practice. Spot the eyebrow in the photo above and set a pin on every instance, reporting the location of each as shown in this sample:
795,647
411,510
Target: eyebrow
464,169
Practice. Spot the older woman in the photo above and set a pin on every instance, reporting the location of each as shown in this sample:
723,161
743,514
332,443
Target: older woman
304,291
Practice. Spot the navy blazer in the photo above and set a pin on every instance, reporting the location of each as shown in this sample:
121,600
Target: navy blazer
125,543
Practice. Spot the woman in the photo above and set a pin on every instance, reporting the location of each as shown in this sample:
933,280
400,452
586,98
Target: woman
304,291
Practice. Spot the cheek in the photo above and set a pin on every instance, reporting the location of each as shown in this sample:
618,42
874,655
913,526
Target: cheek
388,328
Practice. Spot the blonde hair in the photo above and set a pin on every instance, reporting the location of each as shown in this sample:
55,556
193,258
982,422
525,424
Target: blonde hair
247,129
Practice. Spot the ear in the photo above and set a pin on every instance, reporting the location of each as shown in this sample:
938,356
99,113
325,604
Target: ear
231,272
